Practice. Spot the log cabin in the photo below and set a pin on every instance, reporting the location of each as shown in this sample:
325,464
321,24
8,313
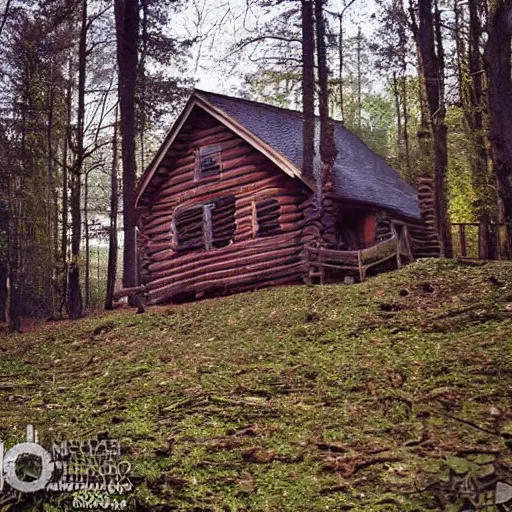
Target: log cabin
225,207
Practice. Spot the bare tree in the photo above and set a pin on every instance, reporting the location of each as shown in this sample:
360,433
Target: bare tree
308,88
341,53
74,306
114,207
427,33
328,149
127,30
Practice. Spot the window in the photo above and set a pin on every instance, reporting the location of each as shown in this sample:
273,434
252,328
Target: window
208,162
267,218
205,226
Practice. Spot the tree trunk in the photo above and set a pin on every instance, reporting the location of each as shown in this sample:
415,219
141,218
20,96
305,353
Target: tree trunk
424,135
114,207
499,93
127,31
398,112
74,303
405,136
142,84
53,210
403,52
308,89
486,199
359,104
12,302
74,306
65,193
328,150
340,57
431,52
87,287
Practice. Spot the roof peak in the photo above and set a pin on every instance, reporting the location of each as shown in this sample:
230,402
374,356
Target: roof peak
261,104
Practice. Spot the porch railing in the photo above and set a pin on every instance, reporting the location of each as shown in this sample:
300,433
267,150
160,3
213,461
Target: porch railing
360,261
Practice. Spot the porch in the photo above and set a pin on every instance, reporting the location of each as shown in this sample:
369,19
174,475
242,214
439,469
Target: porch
325,260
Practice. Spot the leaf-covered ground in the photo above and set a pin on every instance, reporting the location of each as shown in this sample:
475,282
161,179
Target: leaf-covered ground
387,395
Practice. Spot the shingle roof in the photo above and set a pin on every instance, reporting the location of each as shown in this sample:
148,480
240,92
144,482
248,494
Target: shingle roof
359,173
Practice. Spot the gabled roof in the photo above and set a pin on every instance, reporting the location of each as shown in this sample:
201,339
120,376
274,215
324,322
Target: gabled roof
359,173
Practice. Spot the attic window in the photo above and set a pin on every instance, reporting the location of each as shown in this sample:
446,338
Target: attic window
208,162
267,218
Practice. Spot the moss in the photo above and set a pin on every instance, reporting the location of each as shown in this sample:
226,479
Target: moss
294,398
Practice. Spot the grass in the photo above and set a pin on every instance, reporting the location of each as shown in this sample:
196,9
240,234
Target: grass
381,396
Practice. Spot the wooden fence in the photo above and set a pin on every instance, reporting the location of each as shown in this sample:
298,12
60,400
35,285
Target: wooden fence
481,241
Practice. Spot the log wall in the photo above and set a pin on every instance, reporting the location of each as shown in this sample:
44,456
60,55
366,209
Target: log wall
249,260
424,237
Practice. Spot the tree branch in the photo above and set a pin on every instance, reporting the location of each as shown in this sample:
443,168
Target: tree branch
4,17
258,39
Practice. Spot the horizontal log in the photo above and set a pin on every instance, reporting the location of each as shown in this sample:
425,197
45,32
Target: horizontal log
229,282
128,292
162,255
243,202
239,186
185,173
288,223
197,139
245,174
158,230
191,132
157,221
226,276
183,272
188,157
204,141
257,244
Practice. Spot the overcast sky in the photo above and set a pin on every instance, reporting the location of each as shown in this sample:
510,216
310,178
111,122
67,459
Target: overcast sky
222,23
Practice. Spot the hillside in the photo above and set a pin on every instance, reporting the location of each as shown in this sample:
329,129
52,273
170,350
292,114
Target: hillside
376,396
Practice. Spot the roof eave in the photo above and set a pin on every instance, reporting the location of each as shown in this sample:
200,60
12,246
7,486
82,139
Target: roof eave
279,159
162,151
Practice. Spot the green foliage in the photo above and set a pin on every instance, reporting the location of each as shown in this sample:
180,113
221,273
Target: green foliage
379,123
280,88
32,79
461,193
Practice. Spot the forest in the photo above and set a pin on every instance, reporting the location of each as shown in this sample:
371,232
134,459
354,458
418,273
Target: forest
89,87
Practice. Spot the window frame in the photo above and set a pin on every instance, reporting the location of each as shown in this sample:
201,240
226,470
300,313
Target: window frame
208,239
